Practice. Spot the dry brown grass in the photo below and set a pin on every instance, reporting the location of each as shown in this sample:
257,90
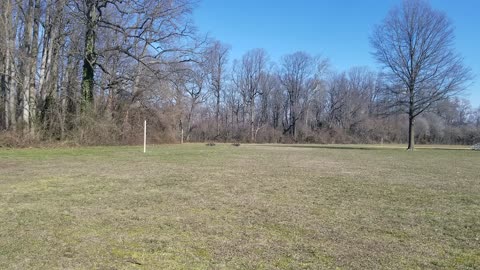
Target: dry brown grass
255,206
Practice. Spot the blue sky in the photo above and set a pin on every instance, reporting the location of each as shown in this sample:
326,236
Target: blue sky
336,29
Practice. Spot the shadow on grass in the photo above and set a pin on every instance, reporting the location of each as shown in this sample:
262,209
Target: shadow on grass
359,147
320,146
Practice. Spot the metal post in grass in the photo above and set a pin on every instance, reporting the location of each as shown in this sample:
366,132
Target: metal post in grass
145,136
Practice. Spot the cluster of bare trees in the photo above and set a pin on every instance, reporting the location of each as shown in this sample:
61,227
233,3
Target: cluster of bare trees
91,71
75,68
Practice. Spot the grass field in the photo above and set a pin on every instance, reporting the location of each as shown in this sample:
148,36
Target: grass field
248,207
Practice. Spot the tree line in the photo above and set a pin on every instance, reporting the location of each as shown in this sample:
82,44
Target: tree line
90,72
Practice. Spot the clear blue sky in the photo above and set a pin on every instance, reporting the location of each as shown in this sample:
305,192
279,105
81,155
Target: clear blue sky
336,29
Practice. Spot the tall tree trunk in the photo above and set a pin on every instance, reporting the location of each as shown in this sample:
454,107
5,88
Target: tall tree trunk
5,84
3,91
89,55
50,103
43,65
72,110
293,119
26,62
12,94
47,50
33,66
190,119
217,113
252,120
411,134
11,32
411,119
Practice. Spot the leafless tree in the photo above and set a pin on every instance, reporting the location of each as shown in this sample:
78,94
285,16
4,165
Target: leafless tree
415,46
194,80
248,75
300,76
476,117
156,25
217,60
10,25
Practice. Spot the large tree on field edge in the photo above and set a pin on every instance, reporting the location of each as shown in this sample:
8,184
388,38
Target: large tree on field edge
415,46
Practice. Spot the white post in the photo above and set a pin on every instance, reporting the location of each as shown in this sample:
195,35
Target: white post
145,136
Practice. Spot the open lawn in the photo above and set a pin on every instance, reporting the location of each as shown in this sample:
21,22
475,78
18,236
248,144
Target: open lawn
248,207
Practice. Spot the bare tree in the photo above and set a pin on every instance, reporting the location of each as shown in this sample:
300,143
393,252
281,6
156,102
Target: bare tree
337,99
300,76
476,117
247,77
415,46
92,12
217,61
194,81
4,27
29,52
162,27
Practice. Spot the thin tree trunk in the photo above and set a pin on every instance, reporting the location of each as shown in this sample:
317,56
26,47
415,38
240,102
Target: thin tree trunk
3,90
217,114
71,113
33,66
252,121
293,119
6,86
46,56
43,66
12,84
411,134
411,119
26,62
189,118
